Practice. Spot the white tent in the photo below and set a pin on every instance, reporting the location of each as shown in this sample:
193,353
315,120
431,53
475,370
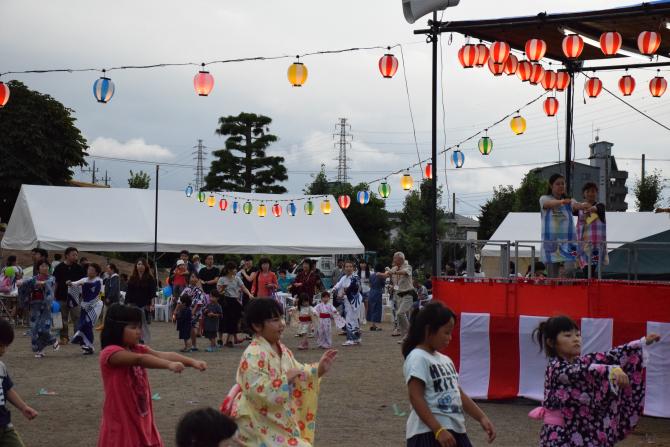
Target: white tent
116,219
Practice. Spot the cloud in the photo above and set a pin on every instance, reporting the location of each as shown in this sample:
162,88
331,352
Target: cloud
135,148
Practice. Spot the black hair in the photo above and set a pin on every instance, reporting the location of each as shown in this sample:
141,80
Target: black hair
230,265
193,273
547,332
186,300
184,252
6,333
117,318
432,316
58,256
204,427
589,185
39,264
11,260
325,293
478,266
248,258
552,180
282,271
70,250
350,261
264,261
367,267
113,266
124,276
97,268
41,251
302,297
539,266
259,310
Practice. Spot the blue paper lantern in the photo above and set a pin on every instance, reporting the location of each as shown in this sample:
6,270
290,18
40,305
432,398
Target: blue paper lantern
457,159
103,89
189,191
236,207
167,291
363,197
291,209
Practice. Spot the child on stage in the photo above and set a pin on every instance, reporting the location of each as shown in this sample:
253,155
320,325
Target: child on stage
277,401
326,313
348,287
593,399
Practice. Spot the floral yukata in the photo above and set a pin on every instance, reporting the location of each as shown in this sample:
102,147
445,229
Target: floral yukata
593,411
326,313
270,411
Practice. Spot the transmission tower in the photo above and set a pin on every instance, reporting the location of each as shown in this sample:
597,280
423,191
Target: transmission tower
344,141
199,157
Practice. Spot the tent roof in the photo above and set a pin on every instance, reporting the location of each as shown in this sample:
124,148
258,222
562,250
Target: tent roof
629,21
621,227
651,259
117,219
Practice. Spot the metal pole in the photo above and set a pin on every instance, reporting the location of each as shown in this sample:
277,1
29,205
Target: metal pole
568,130
435,26
156,226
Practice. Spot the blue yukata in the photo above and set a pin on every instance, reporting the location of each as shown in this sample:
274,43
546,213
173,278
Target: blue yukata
349,288
39,294
91,306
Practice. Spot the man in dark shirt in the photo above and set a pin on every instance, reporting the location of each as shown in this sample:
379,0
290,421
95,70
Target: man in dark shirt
209,275
247,270
68,270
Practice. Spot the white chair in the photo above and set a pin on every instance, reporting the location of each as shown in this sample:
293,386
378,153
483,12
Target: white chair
162,312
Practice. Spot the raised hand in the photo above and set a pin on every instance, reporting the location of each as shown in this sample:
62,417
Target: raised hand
326,362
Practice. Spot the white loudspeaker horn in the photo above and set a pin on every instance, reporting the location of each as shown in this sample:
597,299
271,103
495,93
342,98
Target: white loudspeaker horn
415,9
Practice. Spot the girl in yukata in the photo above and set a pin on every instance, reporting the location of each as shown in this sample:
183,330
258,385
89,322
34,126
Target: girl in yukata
593,399
275,400
40,291
348,288
198,302
91,307
326,313
305,313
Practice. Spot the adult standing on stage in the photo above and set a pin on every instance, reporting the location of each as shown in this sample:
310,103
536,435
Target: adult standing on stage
68,270
141,293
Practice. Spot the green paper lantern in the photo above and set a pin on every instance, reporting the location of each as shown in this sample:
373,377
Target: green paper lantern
309,207
247,208
485,145
384,190
201,196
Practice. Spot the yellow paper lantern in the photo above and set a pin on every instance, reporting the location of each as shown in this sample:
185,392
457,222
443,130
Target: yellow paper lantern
518,124
406,181
262,210
211,201
325,207
297,74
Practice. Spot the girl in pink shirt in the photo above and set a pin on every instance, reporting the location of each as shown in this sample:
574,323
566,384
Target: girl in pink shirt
127,414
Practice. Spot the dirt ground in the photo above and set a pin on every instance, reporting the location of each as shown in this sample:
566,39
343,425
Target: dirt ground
363,399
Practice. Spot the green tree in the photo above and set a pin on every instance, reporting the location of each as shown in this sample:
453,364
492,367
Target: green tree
139,180
320,184
253,170
40,143
529,192
495,210
648,191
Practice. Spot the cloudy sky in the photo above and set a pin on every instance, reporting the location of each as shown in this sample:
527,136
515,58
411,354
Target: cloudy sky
156,116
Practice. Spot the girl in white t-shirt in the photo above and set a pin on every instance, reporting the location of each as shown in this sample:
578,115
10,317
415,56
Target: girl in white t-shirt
438,402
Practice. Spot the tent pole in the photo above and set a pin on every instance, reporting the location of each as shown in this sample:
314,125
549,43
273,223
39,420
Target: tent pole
435,26
568,130
156,226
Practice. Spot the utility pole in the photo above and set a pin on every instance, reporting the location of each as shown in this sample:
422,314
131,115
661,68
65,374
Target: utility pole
453,205
107,179
93,170
344,141
642,178
199,157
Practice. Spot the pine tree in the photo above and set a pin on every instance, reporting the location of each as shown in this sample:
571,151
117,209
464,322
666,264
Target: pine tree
139,180
253,170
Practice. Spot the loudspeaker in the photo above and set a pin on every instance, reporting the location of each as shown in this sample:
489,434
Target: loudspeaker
415,9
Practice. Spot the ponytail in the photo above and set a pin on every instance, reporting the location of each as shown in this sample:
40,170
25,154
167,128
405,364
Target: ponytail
432,316
546,333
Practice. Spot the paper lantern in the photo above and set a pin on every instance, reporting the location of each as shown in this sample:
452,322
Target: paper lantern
223,204
518,124
593,87
657,86
499,52
211,201
428,171
485,145
496,69
384,190
189,191
291,209
457,159
236,207
535,49
262,210
610,43
201,196
482,55
549,80
247,207
573,45
203,82
276,210
406,181
388,65
562,80
103,89
467,55
4,94
550,106
648,42
524,70
326,208
363,197
297,74
536,74
511,65
344,201
309,207
627,85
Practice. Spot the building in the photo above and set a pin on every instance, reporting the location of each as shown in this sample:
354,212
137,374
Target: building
580,174
458,227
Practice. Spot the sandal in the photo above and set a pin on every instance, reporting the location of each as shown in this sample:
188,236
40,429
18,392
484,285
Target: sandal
229,344
185,350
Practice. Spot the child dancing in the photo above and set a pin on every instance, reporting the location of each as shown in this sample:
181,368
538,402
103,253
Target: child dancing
305,313
592,399
326,313
348,287
183,317
91,307
438,402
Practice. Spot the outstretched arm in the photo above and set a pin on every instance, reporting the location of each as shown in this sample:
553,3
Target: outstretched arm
175,357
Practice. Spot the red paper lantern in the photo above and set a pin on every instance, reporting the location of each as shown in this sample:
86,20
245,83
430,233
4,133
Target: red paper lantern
482,55
223,204
524,70
276,210
610,43
551,106
467,55
593,87
499,52
536,74
627,85
344,201
549,80
573,45
203,82
648,42
496,69
4,94
388,65
428,171
562,80
535,49
657,86
511,65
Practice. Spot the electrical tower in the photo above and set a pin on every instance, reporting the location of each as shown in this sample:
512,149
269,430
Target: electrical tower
345,138
199,157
